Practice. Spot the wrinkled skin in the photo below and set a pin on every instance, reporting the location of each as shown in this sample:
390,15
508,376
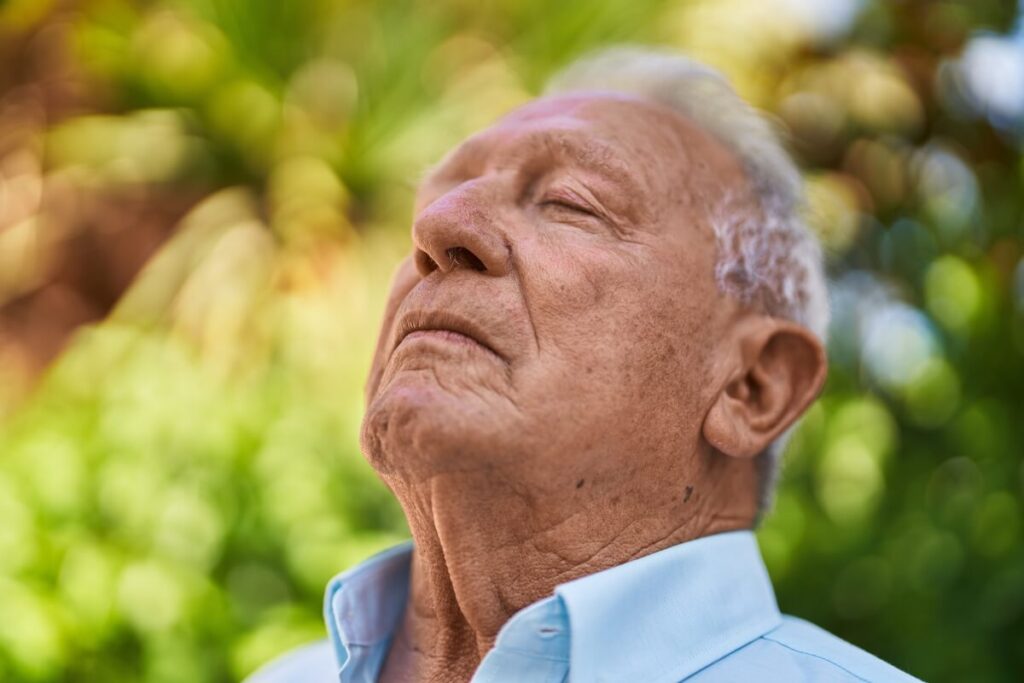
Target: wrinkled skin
576,391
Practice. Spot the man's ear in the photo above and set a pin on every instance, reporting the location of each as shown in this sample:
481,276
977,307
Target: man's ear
775,370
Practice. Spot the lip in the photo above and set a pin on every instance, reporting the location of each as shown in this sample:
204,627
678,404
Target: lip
446,327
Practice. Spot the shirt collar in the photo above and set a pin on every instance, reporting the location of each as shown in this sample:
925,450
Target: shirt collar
659,618
362,608
667,615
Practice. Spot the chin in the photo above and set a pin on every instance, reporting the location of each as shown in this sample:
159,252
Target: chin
416,425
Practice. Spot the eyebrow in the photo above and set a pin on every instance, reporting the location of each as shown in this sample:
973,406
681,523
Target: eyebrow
566,146
592,155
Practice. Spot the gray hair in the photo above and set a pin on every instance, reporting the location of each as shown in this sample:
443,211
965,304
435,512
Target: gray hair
768,259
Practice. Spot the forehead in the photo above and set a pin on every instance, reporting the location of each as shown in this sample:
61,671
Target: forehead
643,144
595,110
591,122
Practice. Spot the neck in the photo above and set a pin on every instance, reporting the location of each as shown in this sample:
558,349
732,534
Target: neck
484,551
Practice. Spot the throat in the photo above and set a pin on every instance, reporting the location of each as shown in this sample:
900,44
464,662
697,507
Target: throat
485,549
435,641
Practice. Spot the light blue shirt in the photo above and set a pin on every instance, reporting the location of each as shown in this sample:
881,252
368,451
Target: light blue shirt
702,611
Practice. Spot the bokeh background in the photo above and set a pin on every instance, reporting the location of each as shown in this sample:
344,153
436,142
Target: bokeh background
201,202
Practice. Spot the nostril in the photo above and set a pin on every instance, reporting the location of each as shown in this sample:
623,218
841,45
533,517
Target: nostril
460,257
424,264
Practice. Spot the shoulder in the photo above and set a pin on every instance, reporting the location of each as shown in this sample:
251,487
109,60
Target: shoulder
800,651
313,663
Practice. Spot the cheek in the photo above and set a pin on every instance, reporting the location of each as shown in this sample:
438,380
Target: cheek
623,295
622,324
403,280
567,279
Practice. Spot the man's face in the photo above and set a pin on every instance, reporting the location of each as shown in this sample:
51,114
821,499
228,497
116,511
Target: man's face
558,319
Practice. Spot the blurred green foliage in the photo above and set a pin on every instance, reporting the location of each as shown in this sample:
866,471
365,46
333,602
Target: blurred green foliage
179,487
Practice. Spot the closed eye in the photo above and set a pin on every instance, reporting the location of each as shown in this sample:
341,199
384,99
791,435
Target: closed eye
562,204
569,202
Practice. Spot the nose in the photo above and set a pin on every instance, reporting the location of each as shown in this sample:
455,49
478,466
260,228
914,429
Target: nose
460,230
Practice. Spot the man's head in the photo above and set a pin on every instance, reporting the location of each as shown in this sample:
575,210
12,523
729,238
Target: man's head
610,305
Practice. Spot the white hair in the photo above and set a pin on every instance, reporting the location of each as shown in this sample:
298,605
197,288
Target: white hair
766,258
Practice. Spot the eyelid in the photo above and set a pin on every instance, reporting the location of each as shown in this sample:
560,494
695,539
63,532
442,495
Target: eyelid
571,200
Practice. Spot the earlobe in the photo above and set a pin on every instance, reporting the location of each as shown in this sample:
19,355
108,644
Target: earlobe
724,430
776,372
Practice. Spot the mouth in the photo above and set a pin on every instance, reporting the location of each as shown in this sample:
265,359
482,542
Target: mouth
445,328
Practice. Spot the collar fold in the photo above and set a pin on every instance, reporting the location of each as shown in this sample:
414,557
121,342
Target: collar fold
362,609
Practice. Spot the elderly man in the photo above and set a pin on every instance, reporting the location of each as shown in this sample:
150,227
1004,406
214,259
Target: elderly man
610,319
